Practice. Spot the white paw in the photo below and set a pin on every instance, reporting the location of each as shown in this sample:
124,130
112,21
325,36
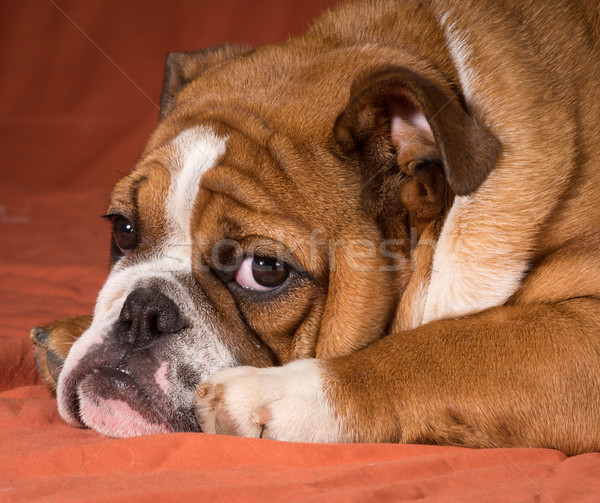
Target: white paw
283,403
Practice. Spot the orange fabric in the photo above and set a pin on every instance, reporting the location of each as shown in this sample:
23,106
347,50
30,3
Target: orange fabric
70,123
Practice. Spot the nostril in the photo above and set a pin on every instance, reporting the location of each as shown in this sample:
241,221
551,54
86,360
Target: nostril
148,314
125,315
150,322
169,321
153,324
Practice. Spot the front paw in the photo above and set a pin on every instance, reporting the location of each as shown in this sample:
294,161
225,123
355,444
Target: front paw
282,403
52,344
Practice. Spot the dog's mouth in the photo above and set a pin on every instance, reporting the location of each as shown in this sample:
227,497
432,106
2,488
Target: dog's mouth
112,401
106,401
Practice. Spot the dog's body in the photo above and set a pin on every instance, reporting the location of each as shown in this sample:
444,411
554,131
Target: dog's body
424,170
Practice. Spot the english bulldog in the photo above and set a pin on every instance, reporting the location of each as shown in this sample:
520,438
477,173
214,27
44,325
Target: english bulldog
384,230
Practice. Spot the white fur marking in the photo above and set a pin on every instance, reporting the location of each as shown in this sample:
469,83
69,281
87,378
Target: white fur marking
461,56
460,283
469,276
291,397
197,150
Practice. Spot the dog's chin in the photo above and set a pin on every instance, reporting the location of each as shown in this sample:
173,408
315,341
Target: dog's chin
111,402
106,399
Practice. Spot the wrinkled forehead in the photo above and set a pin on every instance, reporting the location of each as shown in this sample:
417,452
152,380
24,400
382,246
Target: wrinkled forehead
166,181
281,101
265,171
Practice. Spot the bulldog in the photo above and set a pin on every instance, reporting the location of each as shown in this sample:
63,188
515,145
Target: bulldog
384,230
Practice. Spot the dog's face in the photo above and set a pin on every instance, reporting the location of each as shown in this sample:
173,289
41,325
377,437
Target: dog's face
268,219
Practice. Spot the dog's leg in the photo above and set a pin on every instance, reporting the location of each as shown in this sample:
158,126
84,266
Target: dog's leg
526,375
52,344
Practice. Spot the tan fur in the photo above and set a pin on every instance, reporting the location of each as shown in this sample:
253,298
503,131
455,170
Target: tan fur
510,376
464,136
52,344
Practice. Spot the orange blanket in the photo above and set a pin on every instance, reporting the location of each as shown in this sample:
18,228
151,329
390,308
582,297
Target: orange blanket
79,86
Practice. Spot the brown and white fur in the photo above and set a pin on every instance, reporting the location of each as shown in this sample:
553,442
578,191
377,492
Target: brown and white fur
429,173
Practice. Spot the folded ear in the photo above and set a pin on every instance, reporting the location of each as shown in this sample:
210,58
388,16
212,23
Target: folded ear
183,67
395,112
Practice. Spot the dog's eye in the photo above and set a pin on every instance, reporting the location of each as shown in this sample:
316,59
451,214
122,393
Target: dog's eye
261,273
124,234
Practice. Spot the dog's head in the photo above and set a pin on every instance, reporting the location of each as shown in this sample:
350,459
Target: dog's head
268,219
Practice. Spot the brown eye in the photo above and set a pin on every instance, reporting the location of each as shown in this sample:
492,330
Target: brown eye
261,273
269,272
124,234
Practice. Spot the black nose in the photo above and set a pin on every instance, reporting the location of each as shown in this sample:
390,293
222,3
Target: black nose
148,314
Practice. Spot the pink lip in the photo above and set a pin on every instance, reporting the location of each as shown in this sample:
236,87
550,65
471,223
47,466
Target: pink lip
101,394
161,379
112,402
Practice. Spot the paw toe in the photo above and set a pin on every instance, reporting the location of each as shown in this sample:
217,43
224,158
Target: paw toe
48,362
217,411
39,336
211,413
205,405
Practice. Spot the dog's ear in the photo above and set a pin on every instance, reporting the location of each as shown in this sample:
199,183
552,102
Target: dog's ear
416,148
394,112
183,67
